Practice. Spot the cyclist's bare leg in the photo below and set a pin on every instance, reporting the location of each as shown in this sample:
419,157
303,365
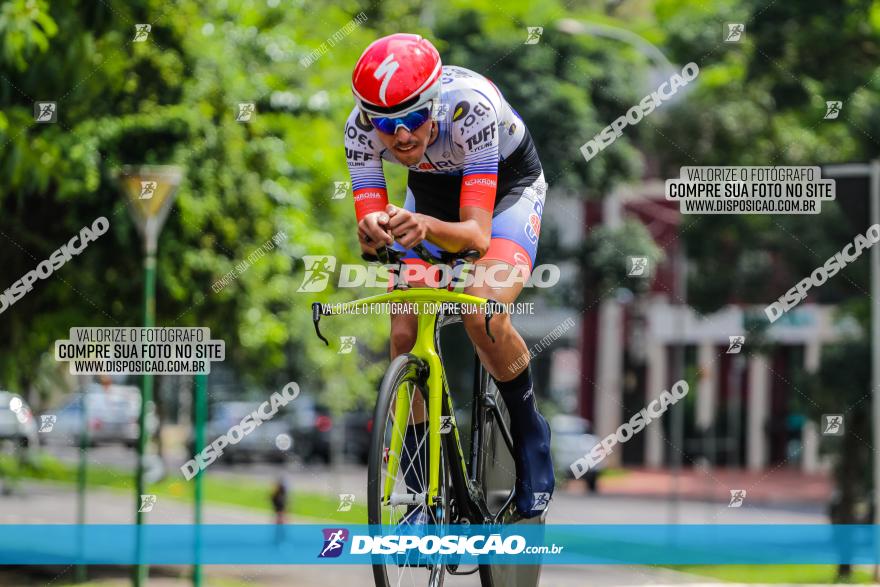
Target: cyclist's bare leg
509,348
507,360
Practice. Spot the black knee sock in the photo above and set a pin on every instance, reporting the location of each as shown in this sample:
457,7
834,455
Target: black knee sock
415,455
531,443
519,397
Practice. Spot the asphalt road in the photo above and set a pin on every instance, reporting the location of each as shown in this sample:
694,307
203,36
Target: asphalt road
37,503
42,503
571,503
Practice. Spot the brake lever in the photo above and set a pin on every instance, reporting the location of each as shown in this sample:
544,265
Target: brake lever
316,318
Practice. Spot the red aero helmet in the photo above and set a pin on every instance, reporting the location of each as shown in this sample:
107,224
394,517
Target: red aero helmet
396,73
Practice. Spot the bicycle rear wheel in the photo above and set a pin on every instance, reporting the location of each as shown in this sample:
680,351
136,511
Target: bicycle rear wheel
400,385
497,478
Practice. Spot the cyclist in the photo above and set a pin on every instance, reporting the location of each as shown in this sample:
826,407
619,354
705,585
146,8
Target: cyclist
474,182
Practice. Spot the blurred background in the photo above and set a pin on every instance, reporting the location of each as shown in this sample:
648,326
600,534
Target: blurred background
255,188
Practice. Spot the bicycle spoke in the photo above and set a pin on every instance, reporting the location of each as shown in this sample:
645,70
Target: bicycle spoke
407,484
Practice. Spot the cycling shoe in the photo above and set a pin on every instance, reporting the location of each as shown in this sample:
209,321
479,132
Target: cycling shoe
535,480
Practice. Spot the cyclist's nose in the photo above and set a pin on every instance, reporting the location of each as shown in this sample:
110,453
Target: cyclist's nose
402,134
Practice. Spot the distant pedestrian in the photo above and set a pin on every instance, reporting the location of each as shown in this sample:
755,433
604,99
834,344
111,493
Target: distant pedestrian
279,500
279,506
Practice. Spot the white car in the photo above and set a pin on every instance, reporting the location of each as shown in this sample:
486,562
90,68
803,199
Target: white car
17,420
113,415
570,440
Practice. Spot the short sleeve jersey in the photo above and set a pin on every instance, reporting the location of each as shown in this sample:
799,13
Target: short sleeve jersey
476,129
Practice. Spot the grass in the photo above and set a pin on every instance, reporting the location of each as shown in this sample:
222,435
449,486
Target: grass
212,581
795,574
220,491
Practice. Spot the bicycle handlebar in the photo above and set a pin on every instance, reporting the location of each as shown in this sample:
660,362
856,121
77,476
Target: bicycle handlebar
388,256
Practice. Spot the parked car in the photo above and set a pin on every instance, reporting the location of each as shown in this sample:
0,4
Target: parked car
312,427
17,421
358,431
113,416
571,440
262,443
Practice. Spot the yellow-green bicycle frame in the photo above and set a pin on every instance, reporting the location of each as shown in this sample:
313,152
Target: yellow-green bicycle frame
426,305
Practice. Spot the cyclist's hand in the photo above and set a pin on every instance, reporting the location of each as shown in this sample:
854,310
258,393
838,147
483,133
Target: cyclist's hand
372,230
407,227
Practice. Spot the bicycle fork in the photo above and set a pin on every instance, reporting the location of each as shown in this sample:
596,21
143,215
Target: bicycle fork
425,351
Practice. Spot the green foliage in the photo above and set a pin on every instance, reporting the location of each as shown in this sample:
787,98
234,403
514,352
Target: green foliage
172,100
605,255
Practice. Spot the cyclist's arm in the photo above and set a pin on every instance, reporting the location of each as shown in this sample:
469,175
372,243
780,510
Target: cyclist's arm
364,158
473,232
477,135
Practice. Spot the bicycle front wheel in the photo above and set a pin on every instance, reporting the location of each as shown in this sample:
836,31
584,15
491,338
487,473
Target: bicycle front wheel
398,473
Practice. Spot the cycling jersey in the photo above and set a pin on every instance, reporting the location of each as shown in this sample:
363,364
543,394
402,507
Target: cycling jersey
482,156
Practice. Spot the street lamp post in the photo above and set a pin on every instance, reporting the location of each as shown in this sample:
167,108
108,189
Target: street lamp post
872,172
200,413
150,191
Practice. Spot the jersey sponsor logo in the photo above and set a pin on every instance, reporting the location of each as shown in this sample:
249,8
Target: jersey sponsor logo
481,110
355,135
360,196
512,129
384,72
481,181
362,123
482,147
486,134
354,155
436,165
461,109
520,259
533,228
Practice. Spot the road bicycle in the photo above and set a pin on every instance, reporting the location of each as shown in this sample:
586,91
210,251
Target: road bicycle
448,488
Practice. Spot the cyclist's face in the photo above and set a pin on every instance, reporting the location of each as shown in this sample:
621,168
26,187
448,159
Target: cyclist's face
408,147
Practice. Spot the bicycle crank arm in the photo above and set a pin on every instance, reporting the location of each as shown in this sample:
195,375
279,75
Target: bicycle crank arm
478,505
